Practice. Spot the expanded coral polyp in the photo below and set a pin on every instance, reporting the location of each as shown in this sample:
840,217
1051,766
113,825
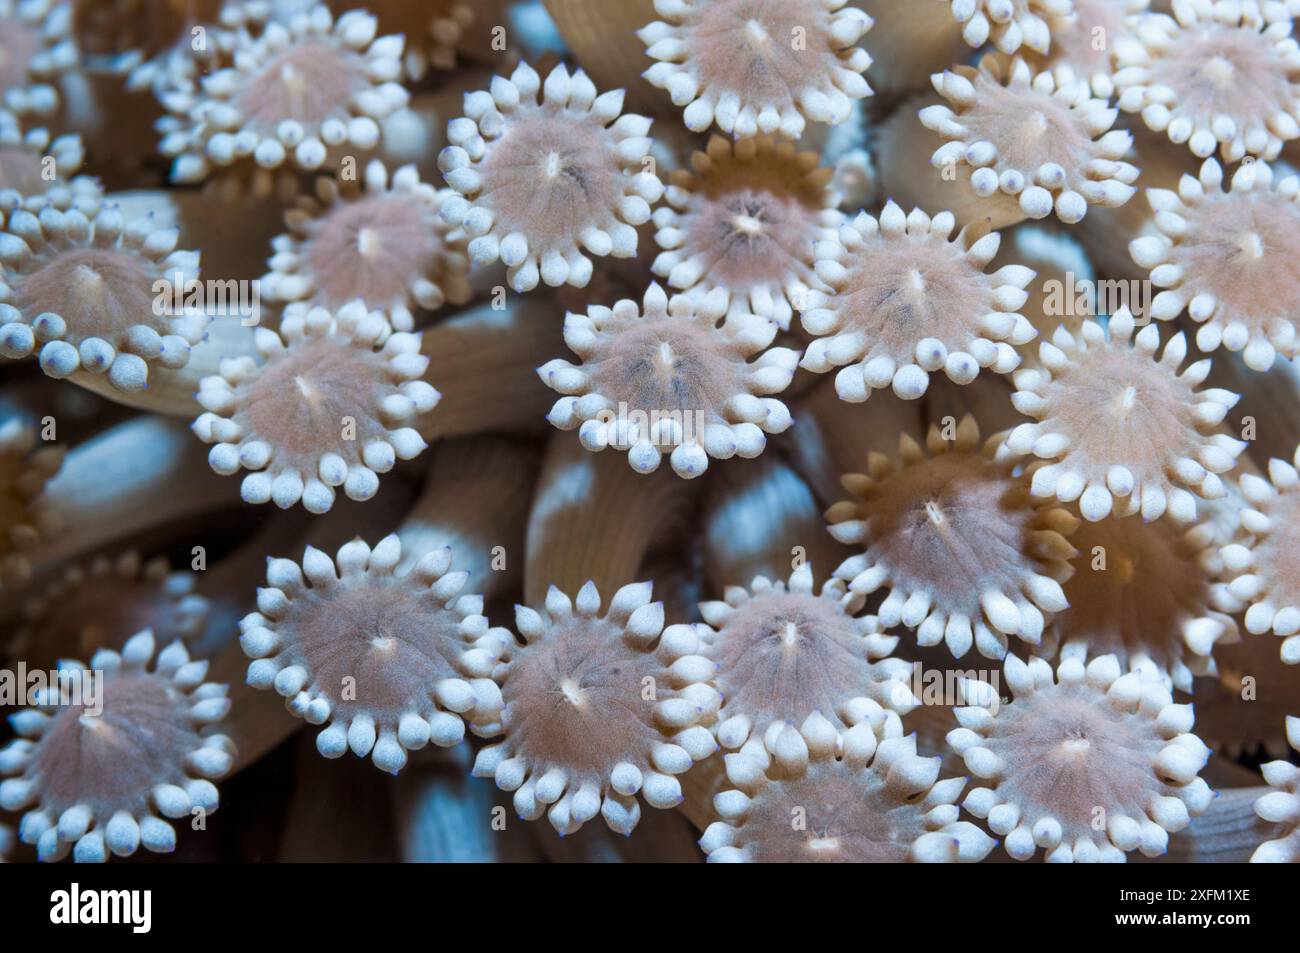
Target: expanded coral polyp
1123,432
327,409
680,376
598,707
907,302
1087,763
965,555
114,746
388,662
547,171
759,65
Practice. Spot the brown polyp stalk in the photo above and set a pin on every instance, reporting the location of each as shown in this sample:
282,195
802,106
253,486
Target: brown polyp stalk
484,362
1227,833
227,583
115,125
761,517
310,831
1276,435
603,38
1105,232
438,806
162,25
830,437
1060,263
988,398
126,481
907,47
595,518
495,476
418,133
206,222
478,45
425,50
79,415
1249,669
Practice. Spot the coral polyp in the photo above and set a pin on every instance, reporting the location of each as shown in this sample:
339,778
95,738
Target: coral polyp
103,602
1086,38
39,169
599,707
329,408
99,296
679,375
1123,432
1041,138
1215,75
877,801
759,65
1087,763
545,179
952,536
906,302
1009,24
1225,257
1282,806
432,29
786,653
381,242
114,746
746,221
1263,564
300,93
392,662
37,50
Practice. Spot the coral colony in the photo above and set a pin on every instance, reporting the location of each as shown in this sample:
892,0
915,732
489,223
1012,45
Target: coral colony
945,350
